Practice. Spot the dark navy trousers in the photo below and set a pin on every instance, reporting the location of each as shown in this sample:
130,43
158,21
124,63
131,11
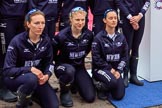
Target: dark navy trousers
133,37
98,24
50,27
79,77
115,86
29,85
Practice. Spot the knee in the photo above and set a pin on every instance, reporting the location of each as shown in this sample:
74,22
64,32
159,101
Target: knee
90,99
119,97
70,72
32,81
113,83
65,73
54,105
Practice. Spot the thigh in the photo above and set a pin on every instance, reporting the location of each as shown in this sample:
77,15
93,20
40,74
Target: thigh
50,28
47,96
85,85
138,38
106,77
29,80
128,31
98,24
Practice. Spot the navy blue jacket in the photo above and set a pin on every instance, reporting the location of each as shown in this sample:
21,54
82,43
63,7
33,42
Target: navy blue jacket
108,53
137,6
70,4
22,55
71,50
98,7
13,8
49,7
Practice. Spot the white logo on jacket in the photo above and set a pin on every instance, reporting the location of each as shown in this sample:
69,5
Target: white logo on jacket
42,49
26,50
32,63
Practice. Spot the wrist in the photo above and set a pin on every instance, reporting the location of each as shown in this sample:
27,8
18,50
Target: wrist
140,14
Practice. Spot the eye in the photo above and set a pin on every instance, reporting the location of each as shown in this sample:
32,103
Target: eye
110,18
43,23
77,19
82,19
37,23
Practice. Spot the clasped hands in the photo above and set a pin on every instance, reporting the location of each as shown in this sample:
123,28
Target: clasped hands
42,78
115,73
134,21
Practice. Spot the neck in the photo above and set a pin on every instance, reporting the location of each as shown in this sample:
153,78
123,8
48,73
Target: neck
110,30
76,33
34,38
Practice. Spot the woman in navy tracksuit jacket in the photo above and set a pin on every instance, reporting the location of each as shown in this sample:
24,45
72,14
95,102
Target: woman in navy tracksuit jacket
12,13
51,10
109,56
98,7
29,64
74,43
65,8
133,36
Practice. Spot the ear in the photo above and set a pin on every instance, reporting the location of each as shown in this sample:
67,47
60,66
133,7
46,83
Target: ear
104,20
28,24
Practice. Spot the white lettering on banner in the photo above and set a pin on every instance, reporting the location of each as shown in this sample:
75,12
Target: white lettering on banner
32,63
113,57
75,55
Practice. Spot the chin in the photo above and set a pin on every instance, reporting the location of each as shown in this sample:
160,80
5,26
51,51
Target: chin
80,28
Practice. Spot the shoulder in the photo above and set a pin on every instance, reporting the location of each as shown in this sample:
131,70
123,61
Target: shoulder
100,34
19,38
88,33
120,36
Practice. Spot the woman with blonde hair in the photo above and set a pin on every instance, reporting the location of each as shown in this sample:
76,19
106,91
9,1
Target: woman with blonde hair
74,43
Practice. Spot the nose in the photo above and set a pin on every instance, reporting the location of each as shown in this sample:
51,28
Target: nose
41,25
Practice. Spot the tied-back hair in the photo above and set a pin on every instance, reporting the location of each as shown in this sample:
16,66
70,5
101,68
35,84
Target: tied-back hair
77,10
31,13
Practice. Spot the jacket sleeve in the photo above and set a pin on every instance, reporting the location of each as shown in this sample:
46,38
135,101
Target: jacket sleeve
97,58
145,7
10,69
48,61
124,56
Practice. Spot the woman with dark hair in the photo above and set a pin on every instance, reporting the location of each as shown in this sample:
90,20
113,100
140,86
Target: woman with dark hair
137,8
28,64
109,56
